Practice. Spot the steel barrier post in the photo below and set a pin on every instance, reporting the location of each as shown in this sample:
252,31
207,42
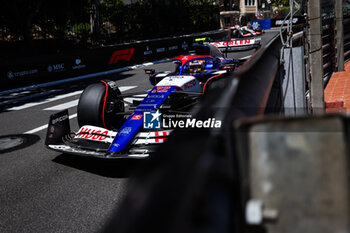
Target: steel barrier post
315,57
339,36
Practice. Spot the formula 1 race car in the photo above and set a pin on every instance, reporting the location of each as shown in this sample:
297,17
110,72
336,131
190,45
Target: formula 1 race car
109,129
242,32
239,38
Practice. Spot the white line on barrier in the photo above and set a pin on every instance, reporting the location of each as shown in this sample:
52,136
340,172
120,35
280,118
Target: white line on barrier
45,126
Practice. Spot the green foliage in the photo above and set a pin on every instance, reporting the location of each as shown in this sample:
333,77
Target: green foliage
79,28
146,19
279,2
160,18
282,2
45,18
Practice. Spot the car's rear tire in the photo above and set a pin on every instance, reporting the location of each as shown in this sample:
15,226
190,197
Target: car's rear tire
216,84
97,109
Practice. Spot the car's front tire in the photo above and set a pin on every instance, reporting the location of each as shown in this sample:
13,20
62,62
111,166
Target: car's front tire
98,106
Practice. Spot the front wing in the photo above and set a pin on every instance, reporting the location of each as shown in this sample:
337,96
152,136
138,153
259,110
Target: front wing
92,141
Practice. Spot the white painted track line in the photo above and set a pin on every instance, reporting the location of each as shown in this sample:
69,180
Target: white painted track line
69,104
59,107
28,105
74,103
45,126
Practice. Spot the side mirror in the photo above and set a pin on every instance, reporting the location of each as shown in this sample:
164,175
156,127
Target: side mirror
150,71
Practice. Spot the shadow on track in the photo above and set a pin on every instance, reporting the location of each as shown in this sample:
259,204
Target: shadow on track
119,168
9,143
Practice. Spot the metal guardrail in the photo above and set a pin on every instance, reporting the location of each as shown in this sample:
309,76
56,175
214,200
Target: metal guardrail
328,45
194,181
346,25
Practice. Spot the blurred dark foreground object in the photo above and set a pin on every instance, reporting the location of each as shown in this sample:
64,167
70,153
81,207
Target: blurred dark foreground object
260,175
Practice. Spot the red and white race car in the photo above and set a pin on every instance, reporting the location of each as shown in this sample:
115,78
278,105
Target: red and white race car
242,32
238,39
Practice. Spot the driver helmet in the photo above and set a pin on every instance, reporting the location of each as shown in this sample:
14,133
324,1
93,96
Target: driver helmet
196,66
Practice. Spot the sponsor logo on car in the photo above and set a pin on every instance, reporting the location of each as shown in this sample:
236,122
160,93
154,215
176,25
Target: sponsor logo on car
88,133
160,96
136,117
161,89
51,131
125,131
59,119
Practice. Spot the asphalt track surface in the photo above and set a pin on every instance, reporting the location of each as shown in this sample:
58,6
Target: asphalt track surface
46,191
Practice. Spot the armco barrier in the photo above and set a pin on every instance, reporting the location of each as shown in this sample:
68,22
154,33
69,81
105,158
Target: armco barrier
23,71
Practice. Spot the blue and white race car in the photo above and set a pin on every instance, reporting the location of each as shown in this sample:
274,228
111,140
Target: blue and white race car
109,130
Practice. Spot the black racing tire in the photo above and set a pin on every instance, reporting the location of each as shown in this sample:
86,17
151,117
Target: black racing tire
90,105
216,84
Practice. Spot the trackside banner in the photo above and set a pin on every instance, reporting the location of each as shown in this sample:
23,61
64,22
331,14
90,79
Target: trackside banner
24,71
264,24
268,23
